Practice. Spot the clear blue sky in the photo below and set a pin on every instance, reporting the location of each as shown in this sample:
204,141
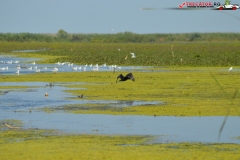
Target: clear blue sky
112,16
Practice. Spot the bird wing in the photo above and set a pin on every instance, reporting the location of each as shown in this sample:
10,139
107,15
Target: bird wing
119,76
130,76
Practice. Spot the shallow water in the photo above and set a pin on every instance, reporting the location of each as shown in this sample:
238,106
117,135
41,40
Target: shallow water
166,128
26,64
16,103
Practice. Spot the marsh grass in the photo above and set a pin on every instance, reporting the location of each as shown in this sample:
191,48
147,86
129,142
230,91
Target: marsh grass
181,91
44,145
204,54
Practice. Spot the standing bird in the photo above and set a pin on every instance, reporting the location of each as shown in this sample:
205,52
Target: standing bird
80,96
127,77
230,69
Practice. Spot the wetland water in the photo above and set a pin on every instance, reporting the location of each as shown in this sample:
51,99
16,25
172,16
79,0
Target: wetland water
16,104
8,65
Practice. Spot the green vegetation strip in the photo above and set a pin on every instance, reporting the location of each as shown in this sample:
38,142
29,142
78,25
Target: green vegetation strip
40,144
197,54
181,92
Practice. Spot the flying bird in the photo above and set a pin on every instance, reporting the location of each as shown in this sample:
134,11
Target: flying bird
127,77
133,55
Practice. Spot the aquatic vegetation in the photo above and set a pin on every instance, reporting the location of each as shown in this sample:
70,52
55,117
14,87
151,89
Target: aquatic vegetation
43,145
196,54
12,122
183,91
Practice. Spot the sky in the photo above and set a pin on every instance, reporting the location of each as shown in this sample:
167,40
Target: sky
113,16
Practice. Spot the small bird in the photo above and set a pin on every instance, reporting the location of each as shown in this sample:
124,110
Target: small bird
17,72
46,94
230,69
80,96
127,77
133,55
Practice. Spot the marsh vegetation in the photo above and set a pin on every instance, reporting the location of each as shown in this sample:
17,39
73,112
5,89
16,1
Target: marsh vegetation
187,79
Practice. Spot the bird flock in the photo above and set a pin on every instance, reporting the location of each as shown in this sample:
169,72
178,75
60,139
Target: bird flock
17,67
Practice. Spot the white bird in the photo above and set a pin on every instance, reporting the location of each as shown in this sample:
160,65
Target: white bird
230,69
104,65
45,68
54,70
74,68
18,68
34,63
84,69
94,69
133,55
9,62
38,70
16,62
17,72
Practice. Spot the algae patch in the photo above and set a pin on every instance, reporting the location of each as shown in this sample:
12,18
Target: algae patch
37,145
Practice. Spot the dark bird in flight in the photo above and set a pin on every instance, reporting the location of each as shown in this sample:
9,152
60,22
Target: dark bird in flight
127,77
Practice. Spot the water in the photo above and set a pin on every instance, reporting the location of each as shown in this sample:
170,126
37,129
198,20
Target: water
16,103
166,128
27,67
34,97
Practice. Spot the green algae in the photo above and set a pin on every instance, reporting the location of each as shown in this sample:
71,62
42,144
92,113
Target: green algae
43,145
182,92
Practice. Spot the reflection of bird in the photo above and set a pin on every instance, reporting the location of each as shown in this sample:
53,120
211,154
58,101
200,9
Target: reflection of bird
127,77
80,96
230,69
133,55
